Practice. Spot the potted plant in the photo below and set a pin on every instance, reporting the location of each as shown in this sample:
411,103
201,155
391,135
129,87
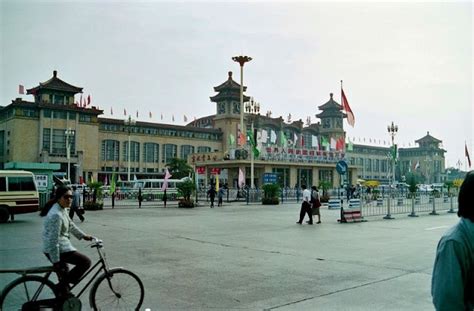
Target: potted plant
185,189
271,194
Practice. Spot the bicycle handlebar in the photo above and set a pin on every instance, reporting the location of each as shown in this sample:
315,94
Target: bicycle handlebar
96,242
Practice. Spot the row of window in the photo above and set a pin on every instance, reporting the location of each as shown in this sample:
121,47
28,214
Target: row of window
159,131
150,152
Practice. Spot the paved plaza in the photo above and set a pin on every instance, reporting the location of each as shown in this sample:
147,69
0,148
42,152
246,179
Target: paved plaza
254,257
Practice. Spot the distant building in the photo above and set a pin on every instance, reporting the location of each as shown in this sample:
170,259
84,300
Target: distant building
296,152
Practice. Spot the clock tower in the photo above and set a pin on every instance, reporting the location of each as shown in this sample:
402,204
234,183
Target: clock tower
227,101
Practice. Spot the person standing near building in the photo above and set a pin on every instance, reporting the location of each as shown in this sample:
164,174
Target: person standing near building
220,196
315,203
76,204
212,195
452,283
306,206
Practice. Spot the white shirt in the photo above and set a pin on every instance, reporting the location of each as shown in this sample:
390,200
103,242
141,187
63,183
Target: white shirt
306,195
56,229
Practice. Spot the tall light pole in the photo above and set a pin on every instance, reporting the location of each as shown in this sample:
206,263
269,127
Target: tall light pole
392,130
129,123
241,60
68,133
253,109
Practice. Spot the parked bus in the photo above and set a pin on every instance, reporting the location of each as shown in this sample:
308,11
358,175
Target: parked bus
18,194
151,188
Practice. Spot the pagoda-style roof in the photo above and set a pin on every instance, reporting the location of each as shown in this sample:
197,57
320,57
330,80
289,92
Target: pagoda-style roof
427,139
55,84
331,109
228,90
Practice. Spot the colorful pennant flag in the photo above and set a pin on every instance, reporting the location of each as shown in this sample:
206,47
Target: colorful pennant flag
256,152
466,152
347,108
241,178
165,182
21,89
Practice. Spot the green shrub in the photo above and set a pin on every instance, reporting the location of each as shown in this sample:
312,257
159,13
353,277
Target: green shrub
270,201
93,206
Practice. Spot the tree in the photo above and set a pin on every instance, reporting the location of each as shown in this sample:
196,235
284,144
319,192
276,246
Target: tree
179,168
186,188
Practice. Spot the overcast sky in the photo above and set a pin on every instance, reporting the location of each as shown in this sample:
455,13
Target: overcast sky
410,63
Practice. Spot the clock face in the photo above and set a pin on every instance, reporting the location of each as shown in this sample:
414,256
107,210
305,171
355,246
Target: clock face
221,108
236,107
326,123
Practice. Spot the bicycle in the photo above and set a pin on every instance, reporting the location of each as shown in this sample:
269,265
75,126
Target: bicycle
113,289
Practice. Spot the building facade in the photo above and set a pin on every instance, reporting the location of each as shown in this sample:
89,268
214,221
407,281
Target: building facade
54,129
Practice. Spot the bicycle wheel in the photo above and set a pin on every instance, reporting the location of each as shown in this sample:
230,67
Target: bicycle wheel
118,289
26,289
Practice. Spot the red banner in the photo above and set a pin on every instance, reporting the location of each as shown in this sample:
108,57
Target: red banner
215,171
201,170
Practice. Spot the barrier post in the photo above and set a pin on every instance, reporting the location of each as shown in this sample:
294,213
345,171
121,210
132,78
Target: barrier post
388,216
433,212
412,214
247,196
451,209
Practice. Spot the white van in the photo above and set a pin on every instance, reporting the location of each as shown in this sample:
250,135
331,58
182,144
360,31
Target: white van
18,194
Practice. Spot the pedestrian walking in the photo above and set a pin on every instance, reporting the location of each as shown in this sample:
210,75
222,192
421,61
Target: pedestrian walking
220,196
76,205
306,206
212,195
315,203
452,282
165,198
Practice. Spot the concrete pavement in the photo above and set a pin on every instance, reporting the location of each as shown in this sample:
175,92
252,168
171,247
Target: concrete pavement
255,257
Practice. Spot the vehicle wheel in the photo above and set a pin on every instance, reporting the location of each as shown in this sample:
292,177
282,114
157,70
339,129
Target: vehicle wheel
118,289
26,289
4,214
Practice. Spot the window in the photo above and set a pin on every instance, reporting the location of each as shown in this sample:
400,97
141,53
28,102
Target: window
46,139
59,142
110,150
134,151
169,152
203,149
21,184
185,151
2,143
85,118
3,184
151,152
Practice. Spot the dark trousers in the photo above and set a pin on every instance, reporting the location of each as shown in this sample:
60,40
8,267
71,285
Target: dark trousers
212,201
80,262
219,201
73,210
306,209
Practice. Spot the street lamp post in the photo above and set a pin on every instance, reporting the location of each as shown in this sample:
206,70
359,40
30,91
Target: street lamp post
241,60
129,123
252,108
68,133
392,131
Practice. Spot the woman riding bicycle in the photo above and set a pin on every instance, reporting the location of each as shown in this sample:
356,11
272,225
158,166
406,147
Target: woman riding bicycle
56,244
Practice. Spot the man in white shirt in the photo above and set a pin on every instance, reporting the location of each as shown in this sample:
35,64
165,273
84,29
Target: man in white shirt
306,207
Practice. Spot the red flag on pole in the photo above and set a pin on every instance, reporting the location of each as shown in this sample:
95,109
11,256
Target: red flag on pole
467,155
21,89
347,109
